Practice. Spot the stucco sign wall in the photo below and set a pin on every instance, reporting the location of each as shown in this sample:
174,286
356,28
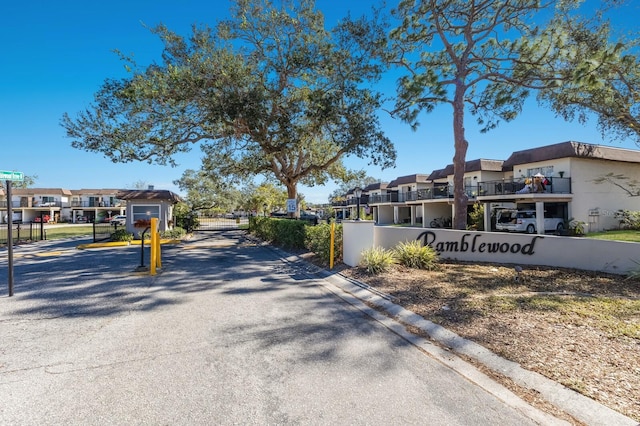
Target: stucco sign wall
520,249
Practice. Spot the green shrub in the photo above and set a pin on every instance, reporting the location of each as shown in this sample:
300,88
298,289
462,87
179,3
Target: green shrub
286,233
476,217
176,233
576,227
318,240
414,255
121,235
628,219
185,217
377,260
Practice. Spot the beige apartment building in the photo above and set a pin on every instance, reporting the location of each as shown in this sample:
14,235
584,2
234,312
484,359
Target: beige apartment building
88,205
569,180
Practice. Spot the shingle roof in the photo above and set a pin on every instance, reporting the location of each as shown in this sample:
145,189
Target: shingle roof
36,191
377,185
148,194
469,166
571,149
104,191
403,180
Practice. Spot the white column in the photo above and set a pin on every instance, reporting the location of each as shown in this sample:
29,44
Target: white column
540,217
357,236
487,217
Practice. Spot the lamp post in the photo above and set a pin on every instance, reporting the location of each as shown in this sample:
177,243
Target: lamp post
358,193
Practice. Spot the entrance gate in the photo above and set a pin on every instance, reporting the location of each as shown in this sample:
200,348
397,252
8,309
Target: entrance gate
221,223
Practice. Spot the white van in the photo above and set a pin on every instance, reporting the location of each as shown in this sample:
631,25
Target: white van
525,221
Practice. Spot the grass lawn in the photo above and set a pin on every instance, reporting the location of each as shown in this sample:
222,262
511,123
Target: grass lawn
68,231
630,236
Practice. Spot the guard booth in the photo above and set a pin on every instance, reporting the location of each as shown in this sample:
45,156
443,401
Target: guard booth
147,204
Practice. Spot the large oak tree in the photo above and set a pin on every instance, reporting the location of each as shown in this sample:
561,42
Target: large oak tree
269,91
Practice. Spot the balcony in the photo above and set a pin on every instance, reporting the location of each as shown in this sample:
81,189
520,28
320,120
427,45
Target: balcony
54,203
382,198
25,204
93,203
364,199
557,185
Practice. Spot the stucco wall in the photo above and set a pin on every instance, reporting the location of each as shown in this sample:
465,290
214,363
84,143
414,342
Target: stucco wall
606,197
519,249
436,210
385,214
357,236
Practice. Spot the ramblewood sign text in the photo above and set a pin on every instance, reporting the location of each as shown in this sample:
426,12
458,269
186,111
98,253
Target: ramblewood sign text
474,244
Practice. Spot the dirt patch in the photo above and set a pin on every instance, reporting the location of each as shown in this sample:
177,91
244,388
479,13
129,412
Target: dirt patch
577,328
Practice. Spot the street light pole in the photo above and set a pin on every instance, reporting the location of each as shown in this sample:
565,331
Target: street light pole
358,193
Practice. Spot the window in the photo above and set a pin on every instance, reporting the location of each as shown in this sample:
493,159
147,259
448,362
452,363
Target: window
145,212
544,171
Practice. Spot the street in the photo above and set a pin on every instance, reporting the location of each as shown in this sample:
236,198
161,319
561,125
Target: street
226,333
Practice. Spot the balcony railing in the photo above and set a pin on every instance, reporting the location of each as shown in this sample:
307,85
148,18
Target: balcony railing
25,204
383,198
556,185
95,204
437,192
38,204
364,199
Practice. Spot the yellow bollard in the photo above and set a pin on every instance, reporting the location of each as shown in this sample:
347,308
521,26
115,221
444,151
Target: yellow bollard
333,238
158,252
154,248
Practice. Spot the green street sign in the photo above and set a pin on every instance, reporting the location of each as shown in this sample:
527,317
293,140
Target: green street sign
11,175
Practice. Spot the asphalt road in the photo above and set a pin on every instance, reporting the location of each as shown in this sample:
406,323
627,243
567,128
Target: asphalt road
227,333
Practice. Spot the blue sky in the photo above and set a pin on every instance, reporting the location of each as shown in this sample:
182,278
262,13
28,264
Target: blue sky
57,54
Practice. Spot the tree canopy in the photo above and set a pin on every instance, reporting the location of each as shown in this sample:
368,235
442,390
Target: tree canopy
600,73
483,57
270,92
358,179
205,192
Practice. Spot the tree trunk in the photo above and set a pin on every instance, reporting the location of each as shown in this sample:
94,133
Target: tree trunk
459,159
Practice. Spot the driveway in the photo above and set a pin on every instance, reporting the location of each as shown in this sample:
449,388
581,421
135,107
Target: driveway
228,332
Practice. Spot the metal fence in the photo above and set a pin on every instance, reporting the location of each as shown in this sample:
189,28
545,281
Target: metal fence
103,230
22,233
221,223
33,231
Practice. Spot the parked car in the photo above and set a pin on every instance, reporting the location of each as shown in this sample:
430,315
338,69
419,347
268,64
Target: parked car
525,221
119,220
279,214
310,217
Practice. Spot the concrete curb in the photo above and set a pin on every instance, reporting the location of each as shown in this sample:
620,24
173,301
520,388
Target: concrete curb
579,406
